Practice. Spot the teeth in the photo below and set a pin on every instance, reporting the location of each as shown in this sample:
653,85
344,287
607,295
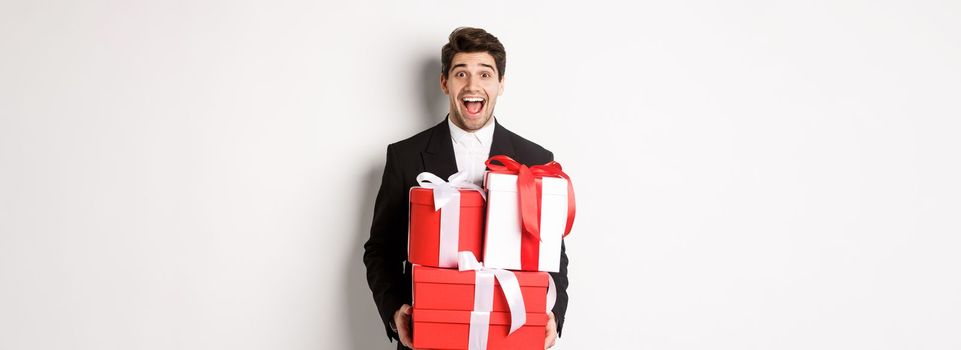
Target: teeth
473,99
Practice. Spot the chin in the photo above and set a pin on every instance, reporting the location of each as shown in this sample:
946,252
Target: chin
471,124
475,124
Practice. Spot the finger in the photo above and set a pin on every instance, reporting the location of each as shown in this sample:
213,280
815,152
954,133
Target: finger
404,333
407,342
408,324
551,331
550,339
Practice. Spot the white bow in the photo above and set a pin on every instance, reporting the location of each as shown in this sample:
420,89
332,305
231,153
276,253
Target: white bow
484,289
445,191
484,298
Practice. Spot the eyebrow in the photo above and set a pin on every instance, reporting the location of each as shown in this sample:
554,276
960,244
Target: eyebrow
465,66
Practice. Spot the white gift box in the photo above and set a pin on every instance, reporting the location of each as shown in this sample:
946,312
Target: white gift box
503,238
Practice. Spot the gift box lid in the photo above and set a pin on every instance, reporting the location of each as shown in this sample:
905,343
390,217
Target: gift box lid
453,276
463,317
508,183
425,196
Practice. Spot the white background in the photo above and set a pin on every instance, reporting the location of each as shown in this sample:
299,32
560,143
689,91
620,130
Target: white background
750,174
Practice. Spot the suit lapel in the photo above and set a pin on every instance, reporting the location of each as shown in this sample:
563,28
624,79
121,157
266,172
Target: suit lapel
438,157
501,143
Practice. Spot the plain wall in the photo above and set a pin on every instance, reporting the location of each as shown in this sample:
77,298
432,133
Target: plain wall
749,174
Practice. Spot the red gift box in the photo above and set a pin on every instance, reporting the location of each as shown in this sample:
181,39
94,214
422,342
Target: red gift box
424,244
447,289
450,329
444,304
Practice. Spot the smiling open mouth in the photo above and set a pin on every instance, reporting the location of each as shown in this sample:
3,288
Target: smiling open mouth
473,104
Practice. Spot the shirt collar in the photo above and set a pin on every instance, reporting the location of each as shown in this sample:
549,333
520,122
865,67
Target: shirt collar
485,134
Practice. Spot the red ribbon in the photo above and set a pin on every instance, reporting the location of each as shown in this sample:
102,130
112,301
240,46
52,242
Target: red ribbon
528,190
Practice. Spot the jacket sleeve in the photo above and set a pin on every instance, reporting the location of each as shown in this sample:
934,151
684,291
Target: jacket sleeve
385,250
561,282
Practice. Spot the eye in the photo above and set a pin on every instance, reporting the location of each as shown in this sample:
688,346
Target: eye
486,75
460,74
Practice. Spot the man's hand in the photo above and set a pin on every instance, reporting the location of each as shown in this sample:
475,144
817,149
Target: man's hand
551,332
402,321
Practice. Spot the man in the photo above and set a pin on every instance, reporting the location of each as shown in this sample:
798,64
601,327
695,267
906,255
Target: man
472,76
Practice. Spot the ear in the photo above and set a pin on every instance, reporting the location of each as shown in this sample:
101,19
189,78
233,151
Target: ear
443,84
500,86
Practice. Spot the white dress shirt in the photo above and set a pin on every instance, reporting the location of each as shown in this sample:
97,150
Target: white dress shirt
471,149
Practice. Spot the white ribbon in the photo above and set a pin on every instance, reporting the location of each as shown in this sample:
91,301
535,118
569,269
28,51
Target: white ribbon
484,299
447,197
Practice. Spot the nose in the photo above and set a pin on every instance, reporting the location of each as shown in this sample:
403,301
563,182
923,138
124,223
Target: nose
473,84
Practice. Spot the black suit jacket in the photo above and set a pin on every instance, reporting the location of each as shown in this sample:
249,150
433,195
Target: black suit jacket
385,253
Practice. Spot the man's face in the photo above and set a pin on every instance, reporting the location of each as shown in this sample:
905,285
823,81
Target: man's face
472,87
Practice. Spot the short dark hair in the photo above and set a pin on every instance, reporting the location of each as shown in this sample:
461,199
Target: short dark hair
469,40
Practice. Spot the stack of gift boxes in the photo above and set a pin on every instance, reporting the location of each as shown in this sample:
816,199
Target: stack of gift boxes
481,255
